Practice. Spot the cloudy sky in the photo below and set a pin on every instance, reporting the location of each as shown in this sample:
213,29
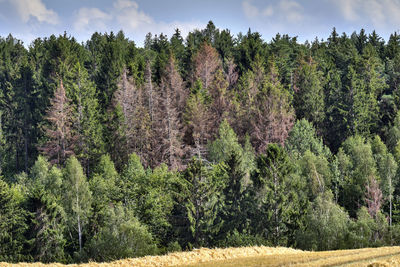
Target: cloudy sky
28,19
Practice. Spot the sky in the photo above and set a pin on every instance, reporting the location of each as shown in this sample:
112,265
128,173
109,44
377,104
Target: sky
307,19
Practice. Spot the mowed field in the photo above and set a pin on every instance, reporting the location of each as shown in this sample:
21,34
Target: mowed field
255,256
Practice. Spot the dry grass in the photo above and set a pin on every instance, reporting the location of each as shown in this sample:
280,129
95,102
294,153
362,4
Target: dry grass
180,258
256,256
392,261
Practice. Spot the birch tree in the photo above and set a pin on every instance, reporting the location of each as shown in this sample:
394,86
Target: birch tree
77,198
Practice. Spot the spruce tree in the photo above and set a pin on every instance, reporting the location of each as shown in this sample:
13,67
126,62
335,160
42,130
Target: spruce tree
60,139
309,95
85,107
168,126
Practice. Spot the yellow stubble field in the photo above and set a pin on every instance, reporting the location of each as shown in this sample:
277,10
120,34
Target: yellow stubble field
254,256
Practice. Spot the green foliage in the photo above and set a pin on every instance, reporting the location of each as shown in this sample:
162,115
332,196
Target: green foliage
123,236
326,225
105,191
278,198
357,166
82,93
149,194
232,213
77,199
12,225
46,227
303,137
236,239
367,231
130,179
316,171
393,136
309,95
242,189
226,144
47,177
201,188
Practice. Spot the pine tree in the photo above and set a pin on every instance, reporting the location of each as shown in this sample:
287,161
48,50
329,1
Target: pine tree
272,117
221,100
201,193
167,144
47,226
131,123
309,95
278,201
88,130
232,213
61,140
198,120
12,225
206,63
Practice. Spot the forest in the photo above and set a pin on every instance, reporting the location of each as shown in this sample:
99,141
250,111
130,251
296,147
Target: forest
111,150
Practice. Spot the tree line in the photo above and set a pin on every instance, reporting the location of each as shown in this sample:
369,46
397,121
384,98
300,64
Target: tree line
109,150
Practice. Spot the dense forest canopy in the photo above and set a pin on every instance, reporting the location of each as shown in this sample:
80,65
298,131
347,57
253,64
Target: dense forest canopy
109,150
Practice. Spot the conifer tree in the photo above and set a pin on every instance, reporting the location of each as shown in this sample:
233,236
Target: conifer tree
201,193
221,100
278,196
198,120
131,122
206,63
167,143
12,225
231,73
149,89
47,226
61,140
309,95
272,117
232,213
105,192
88,130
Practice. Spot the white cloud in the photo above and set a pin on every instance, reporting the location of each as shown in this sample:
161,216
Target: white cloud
249,9
252,12
88,19
35,8
379,12
285,10
292,10
127,15
268,11
347,9
169,28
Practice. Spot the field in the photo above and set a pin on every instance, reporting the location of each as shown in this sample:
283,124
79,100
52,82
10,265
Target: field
255,256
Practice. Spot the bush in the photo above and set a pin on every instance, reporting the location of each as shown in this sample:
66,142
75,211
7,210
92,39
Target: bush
123,237
236,239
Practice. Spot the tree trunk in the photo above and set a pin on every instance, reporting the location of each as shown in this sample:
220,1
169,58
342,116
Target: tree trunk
79,234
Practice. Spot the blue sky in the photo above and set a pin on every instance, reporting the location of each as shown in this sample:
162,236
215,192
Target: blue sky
28,19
